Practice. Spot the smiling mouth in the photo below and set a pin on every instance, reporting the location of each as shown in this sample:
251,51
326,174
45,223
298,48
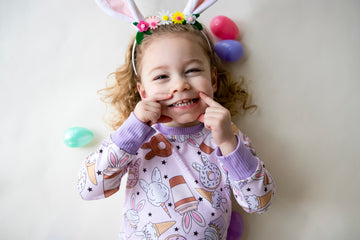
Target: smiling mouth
184,103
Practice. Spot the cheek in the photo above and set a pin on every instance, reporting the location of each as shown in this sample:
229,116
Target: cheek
208,85
151,91
208,89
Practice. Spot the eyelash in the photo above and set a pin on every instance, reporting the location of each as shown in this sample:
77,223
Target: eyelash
160,77
193,70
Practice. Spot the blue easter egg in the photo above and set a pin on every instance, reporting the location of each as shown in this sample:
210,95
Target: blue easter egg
229,50
77,137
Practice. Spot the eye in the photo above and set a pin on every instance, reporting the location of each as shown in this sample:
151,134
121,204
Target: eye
160,77
193,70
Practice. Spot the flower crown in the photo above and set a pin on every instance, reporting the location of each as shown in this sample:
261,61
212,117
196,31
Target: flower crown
165,18
126,10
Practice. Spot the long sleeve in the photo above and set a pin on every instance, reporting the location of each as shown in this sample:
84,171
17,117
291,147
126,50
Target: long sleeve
178,184
101,172
252,185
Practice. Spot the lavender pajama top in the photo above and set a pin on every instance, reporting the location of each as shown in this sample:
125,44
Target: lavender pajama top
178,183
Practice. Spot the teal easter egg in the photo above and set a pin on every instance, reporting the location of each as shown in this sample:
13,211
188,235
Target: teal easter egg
77,137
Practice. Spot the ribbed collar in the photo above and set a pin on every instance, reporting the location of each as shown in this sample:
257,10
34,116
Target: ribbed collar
179,130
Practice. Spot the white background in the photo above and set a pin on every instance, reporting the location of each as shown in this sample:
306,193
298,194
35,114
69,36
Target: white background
302,65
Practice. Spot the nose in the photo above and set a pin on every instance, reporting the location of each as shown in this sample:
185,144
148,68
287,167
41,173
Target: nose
180,84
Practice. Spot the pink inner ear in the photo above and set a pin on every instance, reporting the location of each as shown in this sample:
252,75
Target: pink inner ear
198,4
192,141
187,220
197,217
133,201
123,160
139,207
113,159
120,7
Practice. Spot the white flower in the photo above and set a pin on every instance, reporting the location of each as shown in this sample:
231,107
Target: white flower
165,17
190,19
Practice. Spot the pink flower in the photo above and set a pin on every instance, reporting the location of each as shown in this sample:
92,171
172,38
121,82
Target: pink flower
143,26
153,22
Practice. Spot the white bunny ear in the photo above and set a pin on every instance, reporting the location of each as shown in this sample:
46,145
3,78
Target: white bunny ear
202,5
124,10
197,6
187,222
156,175
140,205
198,218
190,6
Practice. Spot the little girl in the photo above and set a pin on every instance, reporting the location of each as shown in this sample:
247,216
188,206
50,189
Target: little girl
175,140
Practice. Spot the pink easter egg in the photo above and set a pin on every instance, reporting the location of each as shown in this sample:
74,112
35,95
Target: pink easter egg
224,28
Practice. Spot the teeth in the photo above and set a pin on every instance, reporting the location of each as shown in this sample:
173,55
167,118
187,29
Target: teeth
183,103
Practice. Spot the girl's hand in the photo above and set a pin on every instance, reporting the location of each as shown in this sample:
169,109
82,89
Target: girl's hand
149,110
217,119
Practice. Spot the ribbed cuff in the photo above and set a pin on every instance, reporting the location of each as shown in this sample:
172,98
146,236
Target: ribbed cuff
132,134
241,163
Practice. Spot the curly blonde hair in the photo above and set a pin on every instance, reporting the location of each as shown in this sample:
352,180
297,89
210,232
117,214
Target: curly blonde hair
121,94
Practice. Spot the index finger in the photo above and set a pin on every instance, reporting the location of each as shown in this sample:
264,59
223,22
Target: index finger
208,100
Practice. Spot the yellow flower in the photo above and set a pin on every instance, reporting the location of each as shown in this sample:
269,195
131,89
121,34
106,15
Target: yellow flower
178,17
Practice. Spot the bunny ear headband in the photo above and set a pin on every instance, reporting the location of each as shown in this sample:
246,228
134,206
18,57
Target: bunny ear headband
126,10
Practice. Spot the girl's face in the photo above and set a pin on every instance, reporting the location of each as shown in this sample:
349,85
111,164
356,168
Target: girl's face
176,64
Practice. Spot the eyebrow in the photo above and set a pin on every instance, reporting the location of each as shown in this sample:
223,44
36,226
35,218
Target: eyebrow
196,60
161,67
193,60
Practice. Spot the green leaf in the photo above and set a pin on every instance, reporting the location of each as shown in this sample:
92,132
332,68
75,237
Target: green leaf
139,37
148,32
184,22
135,23
198,25
197,15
